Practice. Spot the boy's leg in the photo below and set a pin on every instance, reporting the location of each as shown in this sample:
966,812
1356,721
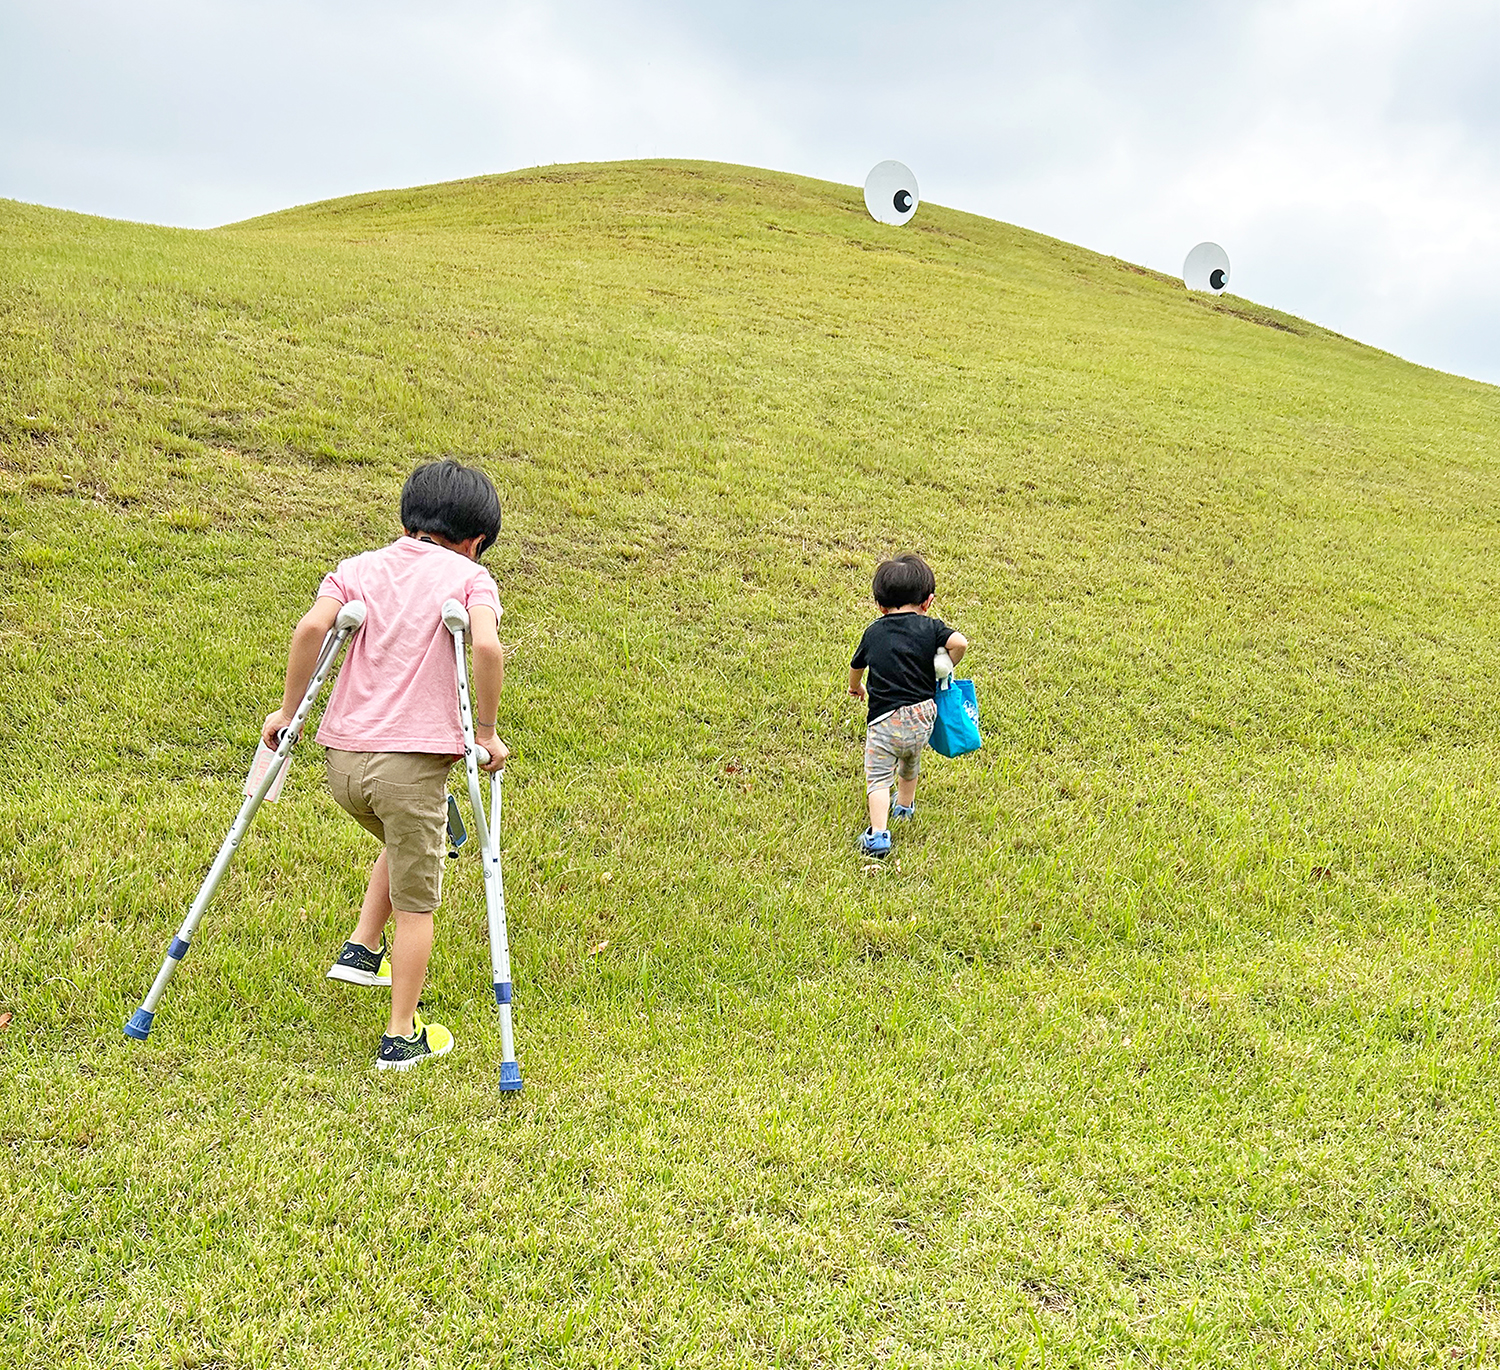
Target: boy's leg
359,963
410,949
375,912
880,771
917,722
348,774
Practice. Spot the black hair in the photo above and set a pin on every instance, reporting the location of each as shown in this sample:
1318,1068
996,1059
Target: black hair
903,580
452,501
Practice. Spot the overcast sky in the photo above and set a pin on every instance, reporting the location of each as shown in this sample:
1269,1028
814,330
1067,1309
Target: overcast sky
1346,153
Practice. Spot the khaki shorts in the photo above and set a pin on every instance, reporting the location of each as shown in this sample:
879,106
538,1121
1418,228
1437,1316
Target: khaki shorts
893,746
401,797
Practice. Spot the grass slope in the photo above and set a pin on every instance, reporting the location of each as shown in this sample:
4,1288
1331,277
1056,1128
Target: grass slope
1167,1037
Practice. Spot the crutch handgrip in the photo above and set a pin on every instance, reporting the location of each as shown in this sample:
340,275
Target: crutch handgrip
481,755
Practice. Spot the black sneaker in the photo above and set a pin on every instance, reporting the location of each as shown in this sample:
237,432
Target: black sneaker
402,1053
359,965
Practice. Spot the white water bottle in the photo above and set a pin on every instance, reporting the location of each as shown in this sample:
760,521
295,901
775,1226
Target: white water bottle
942,664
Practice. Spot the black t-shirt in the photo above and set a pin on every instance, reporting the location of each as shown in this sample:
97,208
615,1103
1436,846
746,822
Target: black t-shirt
898,649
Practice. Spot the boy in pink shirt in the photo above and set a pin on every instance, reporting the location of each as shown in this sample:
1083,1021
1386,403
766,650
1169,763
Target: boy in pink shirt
392,727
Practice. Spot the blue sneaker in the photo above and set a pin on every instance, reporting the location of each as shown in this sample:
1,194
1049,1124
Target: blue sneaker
903,813
876,844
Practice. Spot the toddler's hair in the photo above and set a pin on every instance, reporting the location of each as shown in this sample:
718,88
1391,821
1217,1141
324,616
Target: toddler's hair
905,579
453,501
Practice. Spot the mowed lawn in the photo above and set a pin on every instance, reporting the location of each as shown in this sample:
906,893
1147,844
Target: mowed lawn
1168,1035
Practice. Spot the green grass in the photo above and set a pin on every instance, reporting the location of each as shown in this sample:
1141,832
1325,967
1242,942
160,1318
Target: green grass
1167,1037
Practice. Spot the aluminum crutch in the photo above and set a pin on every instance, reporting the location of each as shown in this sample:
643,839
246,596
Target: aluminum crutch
456,620
350,617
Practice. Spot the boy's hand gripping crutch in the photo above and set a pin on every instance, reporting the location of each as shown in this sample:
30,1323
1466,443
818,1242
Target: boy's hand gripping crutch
350,617
456,620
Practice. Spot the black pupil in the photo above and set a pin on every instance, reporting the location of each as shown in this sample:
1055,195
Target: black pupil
902,201
1216,278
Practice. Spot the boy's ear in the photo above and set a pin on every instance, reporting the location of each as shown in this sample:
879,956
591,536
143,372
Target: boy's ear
927,603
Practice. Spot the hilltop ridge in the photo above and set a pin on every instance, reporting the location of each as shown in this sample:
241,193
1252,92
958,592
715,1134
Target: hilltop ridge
660,194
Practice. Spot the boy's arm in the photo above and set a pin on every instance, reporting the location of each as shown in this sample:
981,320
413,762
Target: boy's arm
489,677
301,661
857,682
957,645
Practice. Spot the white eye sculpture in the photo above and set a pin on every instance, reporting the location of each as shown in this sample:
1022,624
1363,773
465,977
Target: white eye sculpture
891,193
1206,268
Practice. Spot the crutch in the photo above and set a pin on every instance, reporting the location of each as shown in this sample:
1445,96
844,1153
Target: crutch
350,617
456,620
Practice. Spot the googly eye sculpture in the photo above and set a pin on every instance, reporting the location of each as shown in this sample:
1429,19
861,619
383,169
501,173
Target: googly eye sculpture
891,193
1206,268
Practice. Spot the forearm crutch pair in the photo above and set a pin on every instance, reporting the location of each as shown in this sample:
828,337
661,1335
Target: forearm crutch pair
456,620
350,617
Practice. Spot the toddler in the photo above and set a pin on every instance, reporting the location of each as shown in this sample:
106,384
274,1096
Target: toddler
898,650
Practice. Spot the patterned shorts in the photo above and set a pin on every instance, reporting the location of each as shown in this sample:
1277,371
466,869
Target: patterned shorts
894,745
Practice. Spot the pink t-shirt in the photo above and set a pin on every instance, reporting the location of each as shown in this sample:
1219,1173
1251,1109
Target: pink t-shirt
397,690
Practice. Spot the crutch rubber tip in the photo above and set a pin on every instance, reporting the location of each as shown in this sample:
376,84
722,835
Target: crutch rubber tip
139,1026
510,1076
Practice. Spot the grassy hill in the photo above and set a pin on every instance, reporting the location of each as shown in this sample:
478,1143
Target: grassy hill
1168,1036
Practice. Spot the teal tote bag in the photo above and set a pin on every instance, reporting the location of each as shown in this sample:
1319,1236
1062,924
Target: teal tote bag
957,728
